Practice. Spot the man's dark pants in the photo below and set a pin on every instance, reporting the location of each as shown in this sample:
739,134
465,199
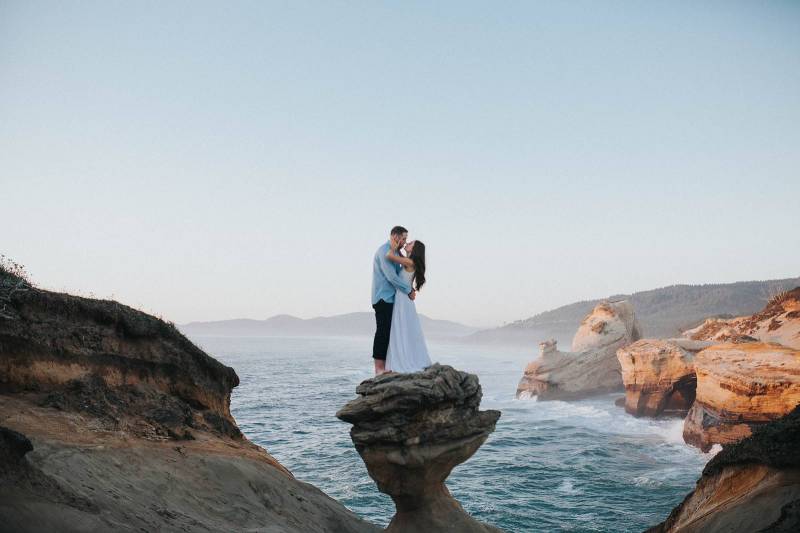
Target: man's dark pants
383,326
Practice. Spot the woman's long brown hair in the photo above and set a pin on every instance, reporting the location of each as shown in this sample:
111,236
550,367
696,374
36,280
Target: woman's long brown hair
417,256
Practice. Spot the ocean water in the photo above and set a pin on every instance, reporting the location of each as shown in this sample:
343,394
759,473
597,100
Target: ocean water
550,466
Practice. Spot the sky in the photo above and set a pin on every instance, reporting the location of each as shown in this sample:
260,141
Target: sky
205,161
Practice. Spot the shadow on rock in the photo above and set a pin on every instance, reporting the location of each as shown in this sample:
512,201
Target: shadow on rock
411,430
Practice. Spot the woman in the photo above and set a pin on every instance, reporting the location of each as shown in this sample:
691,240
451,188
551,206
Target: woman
407,349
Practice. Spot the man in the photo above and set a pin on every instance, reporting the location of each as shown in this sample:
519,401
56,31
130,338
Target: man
386,280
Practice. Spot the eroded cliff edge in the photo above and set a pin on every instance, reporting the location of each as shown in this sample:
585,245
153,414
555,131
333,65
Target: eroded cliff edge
725,376
111,420
659,376
741,386
753,485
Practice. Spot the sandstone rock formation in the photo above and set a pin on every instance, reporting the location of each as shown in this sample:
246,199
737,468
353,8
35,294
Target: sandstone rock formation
113,421
411,430
659,376
740,386
607,324
753,485
778,322
592,368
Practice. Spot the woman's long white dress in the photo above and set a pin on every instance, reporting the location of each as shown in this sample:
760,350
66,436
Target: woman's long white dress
407,349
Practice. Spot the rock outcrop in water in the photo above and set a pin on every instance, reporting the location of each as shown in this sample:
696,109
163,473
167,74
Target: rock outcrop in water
740,386
113,421
659,376
728,388
592,367
753,485
411,430
750,379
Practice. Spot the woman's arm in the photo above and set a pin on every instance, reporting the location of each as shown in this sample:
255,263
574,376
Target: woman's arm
397,258
392,277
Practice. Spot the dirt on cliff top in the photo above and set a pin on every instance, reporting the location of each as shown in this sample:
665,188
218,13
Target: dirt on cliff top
720,331
781,308
787,301
28,313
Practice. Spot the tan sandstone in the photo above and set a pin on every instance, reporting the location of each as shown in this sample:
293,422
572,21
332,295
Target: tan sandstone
659,376
752,485
592,367
778,322
739,386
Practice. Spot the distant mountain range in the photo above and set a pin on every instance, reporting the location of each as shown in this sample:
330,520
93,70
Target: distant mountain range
351,324
661,312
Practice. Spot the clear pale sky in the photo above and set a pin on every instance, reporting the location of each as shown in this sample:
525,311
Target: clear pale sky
219,160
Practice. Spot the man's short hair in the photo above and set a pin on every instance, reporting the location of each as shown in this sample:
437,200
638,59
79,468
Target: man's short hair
398,230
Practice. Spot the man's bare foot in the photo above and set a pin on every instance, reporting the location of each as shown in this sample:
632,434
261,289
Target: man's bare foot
380,366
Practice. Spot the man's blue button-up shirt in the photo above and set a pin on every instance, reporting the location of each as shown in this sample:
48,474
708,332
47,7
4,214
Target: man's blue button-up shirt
386,278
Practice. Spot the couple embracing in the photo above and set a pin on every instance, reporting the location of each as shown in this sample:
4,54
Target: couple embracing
399,344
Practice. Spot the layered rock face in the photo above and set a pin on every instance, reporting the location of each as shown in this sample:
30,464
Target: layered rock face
727,388
740,386
779,322
111,420
753,485
101,356
411,430
659,376
592,368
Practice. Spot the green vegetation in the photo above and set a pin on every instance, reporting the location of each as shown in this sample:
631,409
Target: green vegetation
13,282
16,290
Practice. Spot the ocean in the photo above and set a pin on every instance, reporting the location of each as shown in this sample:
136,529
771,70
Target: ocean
550,466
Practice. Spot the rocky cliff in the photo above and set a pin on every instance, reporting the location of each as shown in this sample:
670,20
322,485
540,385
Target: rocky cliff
659,376
663,312
411,430
592,367
751,377
740,378
753,485
740,386
111,420
778,322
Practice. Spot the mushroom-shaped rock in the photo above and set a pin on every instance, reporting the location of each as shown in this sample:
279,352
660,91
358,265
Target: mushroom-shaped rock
411,430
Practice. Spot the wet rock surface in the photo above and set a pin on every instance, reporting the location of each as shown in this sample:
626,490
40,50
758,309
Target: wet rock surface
411,430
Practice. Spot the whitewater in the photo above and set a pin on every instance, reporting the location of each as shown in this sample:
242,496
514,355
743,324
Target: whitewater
550,466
